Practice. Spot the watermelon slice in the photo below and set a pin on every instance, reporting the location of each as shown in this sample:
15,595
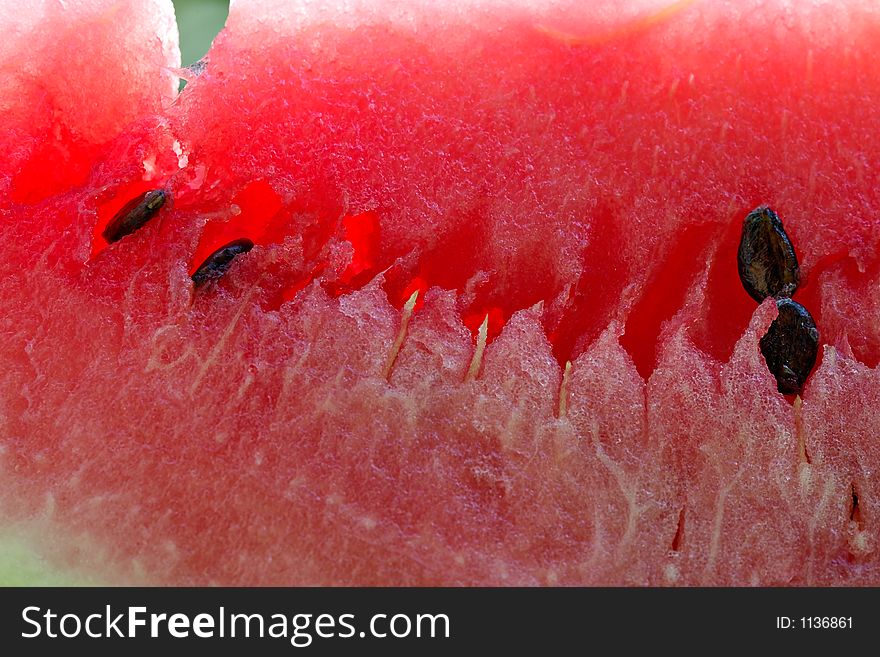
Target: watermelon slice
491,329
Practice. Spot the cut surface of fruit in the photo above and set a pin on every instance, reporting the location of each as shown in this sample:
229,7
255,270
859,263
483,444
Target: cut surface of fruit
491,329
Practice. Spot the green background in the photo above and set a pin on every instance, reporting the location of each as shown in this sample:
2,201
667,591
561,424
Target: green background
199,21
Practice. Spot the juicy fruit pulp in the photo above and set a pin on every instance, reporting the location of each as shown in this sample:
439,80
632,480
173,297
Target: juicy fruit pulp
575,184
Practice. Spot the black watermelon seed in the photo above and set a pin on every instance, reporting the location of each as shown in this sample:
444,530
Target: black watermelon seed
134,214
768,266
790,346
216,264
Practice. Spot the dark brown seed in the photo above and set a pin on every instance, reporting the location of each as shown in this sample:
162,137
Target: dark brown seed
216,264
768,266
790,346
134,214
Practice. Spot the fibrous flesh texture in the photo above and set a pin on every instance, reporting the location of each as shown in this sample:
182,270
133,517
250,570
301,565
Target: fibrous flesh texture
576,180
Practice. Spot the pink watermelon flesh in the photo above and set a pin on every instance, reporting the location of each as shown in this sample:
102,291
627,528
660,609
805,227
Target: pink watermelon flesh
577,179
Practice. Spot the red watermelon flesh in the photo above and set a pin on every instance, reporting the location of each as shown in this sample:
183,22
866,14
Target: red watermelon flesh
575,178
